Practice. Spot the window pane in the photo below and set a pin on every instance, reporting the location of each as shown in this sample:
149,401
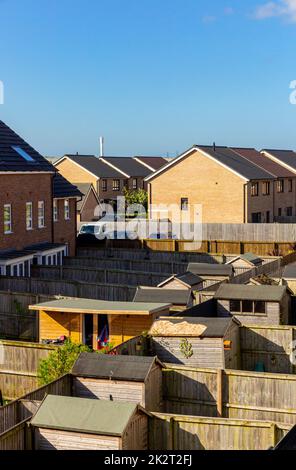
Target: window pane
235,306
247,306
260,307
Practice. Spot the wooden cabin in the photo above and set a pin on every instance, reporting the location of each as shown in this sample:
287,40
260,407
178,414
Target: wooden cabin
244,262
255,305
135,379
96,322
211,273
197,342
186,281
180,299
71,423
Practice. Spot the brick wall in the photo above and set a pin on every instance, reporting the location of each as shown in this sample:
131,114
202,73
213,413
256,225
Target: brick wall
17,190
65,230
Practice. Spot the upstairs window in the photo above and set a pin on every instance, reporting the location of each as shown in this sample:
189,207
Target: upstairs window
7,218
23,153
280,186
41,222
266,188
135,183
29,215
55,211
290,185
104,185
66,209
116,185
254,189
184,204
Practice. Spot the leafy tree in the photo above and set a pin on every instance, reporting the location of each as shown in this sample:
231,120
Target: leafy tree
60,361
136,196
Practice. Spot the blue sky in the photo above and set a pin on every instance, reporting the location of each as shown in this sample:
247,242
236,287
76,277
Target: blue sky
152,76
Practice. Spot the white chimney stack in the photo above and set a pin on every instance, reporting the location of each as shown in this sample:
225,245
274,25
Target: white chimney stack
101,146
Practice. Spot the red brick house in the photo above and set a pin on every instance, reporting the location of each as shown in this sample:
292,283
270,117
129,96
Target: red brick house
26,216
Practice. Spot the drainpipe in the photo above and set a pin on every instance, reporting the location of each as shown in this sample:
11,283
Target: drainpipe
51,209
273,199
245,203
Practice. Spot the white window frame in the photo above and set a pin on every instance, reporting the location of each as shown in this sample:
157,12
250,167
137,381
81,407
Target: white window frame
55,210
29,226
67,209
9,222
41,214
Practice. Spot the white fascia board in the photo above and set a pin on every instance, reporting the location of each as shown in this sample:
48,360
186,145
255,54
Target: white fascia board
275,159
114,167
144,164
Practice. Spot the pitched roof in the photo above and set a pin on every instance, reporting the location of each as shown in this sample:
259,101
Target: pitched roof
227,158
187,278
152,162
210,269
247,292
11,159
63,188
94,165
85,188
84,415
289,271
156,294
237,163
264,162
286,157
104,366
128,165
249,257
214,327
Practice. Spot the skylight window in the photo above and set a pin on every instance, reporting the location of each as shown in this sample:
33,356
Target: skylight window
23,154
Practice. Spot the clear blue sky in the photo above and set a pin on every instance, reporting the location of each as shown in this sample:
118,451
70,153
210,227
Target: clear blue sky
152,76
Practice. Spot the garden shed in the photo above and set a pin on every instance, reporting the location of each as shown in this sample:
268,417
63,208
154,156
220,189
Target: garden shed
96,322
256,305
244,262
186,281
179,299
71,423
211,273
120,378
197,342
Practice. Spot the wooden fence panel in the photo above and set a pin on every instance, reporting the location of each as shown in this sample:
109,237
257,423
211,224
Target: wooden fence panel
177,432
16,438
245,395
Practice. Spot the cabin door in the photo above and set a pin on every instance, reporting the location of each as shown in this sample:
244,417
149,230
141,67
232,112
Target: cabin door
103,331
88,325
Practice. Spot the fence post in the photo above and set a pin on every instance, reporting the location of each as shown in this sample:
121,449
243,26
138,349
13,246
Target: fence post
273,435
171,434
220,392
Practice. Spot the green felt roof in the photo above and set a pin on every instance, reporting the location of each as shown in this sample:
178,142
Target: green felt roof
99,306
246,292
84,415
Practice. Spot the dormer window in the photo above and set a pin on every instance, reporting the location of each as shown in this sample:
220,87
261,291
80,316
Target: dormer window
23,153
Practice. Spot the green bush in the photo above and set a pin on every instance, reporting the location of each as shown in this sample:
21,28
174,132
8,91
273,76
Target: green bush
60,361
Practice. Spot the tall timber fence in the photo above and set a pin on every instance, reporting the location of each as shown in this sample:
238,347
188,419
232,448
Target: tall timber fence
179,432
230,394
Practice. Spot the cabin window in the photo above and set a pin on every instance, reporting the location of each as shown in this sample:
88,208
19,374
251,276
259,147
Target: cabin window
280,186
7,213
266,188
254,189
41,214
184,204
247,306
66,209
29,215
55,211
235,305
259,306
104,185
116,185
